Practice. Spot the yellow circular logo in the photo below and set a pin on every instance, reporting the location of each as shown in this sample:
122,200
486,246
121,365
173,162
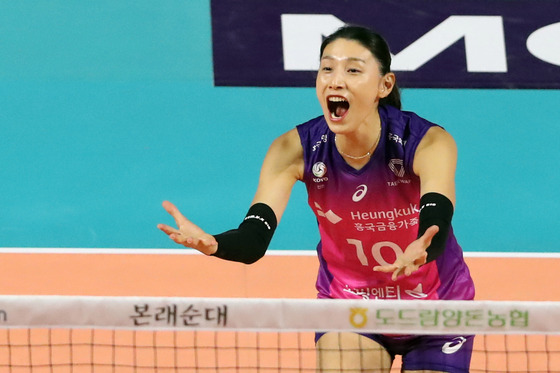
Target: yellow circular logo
358,317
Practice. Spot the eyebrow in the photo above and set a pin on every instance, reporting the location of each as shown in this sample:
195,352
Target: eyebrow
353,59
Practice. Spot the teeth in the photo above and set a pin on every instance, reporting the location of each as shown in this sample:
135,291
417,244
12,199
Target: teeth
337,99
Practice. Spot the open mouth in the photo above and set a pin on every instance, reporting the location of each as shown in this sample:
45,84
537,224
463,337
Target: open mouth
338,106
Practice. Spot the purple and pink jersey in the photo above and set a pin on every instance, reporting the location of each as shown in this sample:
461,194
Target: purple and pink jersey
368,216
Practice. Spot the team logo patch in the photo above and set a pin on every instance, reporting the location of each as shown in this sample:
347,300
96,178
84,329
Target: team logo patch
319,169
397,166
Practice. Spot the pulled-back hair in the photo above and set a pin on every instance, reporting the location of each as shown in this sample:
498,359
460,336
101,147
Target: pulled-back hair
378,47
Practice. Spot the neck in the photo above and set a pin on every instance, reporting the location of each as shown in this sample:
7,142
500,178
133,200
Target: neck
357,145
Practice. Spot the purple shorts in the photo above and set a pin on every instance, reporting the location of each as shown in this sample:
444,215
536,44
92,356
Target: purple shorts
445,353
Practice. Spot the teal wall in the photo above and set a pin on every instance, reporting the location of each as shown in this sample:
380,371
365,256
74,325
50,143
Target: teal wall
108,108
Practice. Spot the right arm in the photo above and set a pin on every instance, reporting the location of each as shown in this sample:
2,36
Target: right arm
282,167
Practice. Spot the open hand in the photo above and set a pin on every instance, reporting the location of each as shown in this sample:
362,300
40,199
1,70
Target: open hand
413,257
187,233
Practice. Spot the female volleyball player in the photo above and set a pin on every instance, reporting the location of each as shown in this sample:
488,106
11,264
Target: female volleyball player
381,183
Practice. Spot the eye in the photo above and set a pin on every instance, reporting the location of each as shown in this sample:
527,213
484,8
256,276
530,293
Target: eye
326,68
354,71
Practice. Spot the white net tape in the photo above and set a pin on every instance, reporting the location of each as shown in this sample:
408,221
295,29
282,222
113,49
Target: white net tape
384,316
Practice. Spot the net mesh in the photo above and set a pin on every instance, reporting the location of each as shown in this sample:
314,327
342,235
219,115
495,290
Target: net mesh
105,334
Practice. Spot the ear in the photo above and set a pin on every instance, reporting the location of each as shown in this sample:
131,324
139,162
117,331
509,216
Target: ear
386,84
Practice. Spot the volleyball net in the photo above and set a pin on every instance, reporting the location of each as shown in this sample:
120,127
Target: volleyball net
158,334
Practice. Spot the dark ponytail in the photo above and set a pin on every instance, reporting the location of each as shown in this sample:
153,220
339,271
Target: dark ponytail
378,47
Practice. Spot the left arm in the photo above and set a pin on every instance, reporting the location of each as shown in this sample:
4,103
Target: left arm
435,162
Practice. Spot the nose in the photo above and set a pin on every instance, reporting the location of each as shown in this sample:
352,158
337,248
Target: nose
337,80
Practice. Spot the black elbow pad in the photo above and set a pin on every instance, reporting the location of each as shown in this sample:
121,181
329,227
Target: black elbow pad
435,209
248,243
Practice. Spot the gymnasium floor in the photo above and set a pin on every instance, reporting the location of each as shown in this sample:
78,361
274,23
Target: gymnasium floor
278,275
185,273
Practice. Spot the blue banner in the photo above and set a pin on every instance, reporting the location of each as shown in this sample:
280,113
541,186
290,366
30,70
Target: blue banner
435,43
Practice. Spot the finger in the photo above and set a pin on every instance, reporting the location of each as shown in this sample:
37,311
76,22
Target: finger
396,270
426,238
174,212
385,268
187,241
410,269
431,232
421,260
396,274
170,208
201,245
167,229
209,241
177,237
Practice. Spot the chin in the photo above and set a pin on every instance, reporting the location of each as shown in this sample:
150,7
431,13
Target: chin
338,127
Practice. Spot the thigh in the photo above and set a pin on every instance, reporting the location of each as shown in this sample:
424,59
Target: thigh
351,353
450,354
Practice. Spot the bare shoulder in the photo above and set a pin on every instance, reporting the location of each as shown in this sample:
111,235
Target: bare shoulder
288,141
437,151
438,137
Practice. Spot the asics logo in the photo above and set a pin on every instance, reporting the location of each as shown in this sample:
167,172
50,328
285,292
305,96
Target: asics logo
417,292
360,193
453,346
